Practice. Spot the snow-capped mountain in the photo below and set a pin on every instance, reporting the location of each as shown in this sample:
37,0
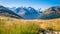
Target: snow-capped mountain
27,12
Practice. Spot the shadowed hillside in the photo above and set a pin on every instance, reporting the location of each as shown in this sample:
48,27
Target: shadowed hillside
8,13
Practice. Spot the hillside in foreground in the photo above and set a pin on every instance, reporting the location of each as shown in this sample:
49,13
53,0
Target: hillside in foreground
21,26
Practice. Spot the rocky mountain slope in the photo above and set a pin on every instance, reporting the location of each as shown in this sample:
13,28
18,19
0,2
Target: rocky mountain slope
51,13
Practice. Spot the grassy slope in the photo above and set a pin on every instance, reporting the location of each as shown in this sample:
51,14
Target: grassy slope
20,26
17,26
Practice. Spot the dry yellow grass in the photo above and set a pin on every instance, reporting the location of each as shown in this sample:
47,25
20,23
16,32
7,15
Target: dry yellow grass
53,23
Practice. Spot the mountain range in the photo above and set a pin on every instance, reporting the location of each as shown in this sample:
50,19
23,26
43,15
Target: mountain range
30,13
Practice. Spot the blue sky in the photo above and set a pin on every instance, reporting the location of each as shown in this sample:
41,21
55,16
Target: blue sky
32,3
